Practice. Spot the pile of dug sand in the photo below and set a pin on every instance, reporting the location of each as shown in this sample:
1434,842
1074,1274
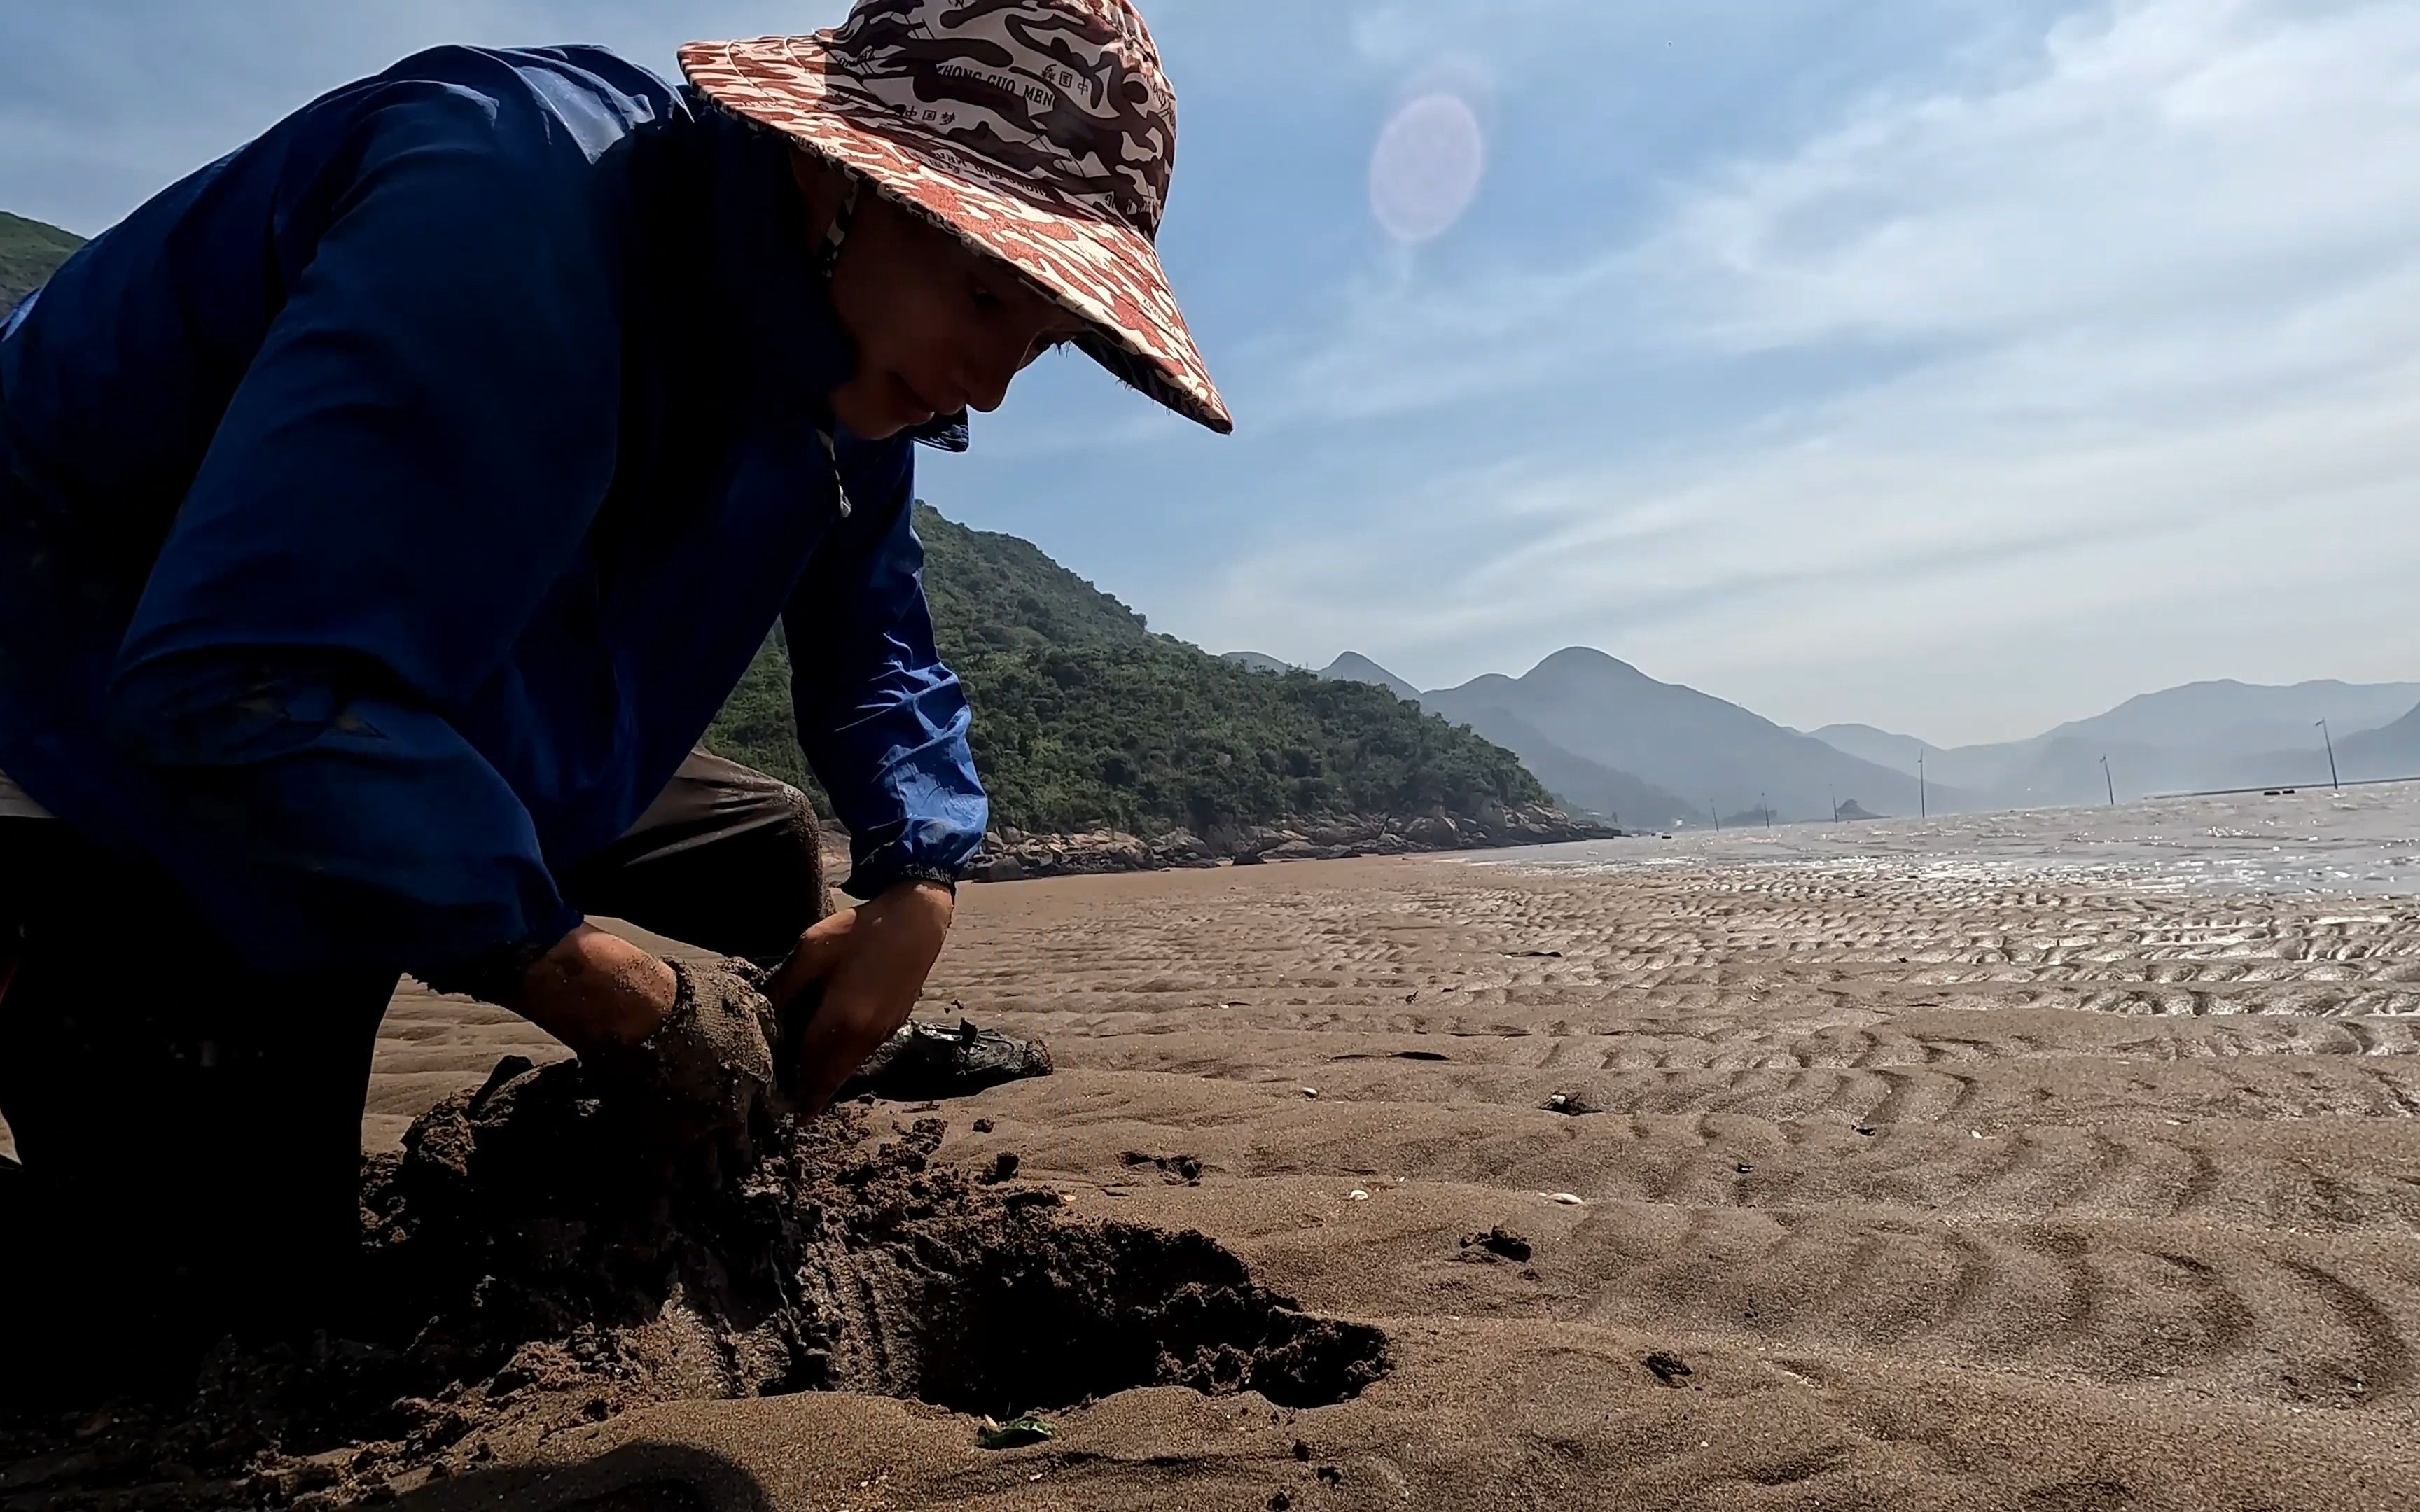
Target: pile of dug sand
560,1245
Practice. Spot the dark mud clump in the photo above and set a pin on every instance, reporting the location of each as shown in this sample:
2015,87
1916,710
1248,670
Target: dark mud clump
1176,1170
928,1060
540,1255
1497,1244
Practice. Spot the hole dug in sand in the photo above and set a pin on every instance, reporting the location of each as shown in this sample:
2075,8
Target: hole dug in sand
542,1256
536,1238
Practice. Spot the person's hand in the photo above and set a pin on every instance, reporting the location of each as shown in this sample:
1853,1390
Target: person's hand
871,960
596,991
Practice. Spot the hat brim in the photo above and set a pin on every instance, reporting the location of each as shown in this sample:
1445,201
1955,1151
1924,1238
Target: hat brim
1100,270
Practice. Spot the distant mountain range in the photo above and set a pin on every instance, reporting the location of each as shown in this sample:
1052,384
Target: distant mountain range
1256,661
1880,747
1607,739
2392,750
1353,666
2200,735
1678,739
1580,784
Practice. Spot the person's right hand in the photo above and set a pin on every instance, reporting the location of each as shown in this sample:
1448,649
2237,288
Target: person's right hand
596,991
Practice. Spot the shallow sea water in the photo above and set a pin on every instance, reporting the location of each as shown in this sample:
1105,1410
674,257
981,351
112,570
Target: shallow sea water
2312,842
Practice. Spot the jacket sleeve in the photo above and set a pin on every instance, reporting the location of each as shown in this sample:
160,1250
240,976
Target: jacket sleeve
410,462
882,721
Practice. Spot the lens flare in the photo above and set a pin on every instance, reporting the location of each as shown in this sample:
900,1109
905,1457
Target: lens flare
1425,172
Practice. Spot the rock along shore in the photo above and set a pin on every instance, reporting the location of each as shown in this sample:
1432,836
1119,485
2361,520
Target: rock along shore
1011,854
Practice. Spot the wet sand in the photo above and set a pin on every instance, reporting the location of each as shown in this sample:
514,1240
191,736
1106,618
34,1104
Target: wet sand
1942,1191
1898,1188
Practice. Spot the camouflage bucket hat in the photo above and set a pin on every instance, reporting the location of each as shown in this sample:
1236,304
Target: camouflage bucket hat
1041,132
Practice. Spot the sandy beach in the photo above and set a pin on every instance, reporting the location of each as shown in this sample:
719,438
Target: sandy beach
1894,1189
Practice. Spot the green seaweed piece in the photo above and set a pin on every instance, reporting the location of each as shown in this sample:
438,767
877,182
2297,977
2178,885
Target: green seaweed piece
1016,1434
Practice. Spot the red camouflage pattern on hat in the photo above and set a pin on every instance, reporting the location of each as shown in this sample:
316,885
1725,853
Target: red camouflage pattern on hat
1043,132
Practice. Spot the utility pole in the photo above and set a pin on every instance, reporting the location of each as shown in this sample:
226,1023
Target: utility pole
1765,809
1921,811
1836,806
1717,813
2111,781
2332,756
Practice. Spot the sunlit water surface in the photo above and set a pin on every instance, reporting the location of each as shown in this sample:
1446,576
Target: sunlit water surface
2314,843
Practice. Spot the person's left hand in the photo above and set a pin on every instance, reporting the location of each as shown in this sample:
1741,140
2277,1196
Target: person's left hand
871,960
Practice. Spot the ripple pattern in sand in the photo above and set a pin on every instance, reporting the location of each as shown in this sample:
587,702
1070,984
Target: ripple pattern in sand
2073,1139
1947,1187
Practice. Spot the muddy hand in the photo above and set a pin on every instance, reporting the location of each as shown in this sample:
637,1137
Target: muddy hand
869,963
596,992
709,1070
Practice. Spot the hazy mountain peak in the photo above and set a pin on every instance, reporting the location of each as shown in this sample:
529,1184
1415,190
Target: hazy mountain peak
1259,661
1885,748
1584,661
1669,737
1353,666
2224,715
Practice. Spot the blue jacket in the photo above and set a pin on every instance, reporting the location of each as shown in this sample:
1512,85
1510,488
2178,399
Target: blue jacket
386,509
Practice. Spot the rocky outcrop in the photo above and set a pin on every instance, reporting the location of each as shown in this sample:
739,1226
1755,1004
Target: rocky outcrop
1010,855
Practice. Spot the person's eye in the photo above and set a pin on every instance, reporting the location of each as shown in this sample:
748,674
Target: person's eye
985,300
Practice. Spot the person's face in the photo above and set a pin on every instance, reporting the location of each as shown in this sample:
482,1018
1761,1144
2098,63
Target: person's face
938,327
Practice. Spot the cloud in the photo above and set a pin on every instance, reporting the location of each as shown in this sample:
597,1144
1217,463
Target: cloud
2118,330
2168,157
2157,157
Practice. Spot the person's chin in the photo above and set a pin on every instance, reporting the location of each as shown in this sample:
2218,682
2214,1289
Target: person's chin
869,422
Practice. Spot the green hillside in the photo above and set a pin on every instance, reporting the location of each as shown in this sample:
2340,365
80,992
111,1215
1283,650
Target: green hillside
1083,718
28,251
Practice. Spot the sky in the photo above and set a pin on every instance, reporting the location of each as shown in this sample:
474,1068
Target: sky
1957,367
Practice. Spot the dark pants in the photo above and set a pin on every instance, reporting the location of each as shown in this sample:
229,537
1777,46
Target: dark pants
189,1130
